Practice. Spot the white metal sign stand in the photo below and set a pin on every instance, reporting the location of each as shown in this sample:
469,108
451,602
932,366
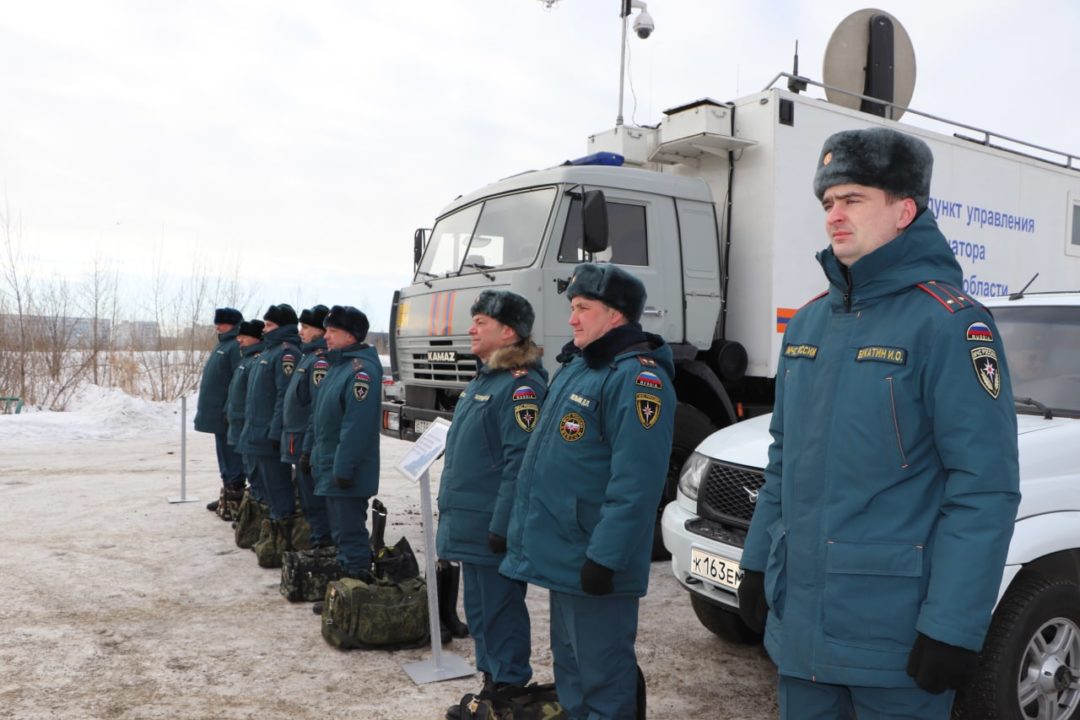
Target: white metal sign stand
183,456
415,466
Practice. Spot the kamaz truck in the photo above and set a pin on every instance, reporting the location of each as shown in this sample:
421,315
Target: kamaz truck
712,208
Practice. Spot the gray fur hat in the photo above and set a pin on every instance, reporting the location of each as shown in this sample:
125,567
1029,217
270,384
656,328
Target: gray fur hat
612,286
314,316
899,164
349,319
506,307
282,314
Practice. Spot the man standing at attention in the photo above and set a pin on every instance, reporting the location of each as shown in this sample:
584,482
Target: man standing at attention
345,457
585,506
213,391
878,540
493,420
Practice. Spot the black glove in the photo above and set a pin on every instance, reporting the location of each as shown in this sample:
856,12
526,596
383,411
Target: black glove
276,444
343,483
496,543
938,666
597,579
753,607
305,464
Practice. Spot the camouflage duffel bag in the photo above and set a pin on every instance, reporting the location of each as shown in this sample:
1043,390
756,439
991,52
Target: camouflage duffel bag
270,547
382,615
228,507
248,519
305,574
533,702
301,535
397,563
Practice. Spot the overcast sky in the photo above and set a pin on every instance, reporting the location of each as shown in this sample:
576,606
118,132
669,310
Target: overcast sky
301,143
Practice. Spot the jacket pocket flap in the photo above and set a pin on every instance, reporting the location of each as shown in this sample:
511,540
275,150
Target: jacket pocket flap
902,560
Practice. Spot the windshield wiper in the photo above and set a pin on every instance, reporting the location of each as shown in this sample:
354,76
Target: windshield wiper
1047,414
482,268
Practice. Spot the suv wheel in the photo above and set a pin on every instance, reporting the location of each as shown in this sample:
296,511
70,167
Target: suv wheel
1029,667
725,624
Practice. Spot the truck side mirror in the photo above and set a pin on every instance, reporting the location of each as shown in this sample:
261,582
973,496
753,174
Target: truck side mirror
418,246
594,222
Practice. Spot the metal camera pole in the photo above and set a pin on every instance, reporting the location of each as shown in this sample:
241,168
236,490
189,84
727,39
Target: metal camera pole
183,456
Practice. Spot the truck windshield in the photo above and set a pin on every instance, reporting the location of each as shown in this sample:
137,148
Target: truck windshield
1040,345
499,232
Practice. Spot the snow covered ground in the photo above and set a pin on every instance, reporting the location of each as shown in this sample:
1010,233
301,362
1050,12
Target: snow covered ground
117,604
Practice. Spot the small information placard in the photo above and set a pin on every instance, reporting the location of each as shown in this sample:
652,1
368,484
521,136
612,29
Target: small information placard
425,450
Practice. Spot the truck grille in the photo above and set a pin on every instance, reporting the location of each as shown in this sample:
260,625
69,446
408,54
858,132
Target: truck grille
415,366
728,493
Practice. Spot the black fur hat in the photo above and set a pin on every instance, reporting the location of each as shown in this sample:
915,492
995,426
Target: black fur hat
508,308
282,314
227,316
314,316
252,328
882,158
349,319
612,286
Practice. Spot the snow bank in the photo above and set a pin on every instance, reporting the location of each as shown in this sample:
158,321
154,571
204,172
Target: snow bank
96,413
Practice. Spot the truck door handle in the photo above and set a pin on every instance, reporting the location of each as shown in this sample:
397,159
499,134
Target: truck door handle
654,312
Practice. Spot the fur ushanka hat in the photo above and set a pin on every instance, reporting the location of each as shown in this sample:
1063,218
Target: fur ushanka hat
508,308
882,158
612,286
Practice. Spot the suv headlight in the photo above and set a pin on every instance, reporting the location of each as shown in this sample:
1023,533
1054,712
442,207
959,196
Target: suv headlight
693,472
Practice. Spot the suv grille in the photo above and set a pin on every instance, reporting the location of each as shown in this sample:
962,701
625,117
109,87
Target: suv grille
728,493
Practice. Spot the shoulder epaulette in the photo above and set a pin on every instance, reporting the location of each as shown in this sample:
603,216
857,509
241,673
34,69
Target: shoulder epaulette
950,298
646,361
357,364
519,372
814,299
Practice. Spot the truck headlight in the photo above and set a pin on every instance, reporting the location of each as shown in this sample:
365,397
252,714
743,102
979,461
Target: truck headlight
693,472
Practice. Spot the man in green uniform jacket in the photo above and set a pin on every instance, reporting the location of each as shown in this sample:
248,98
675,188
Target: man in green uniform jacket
493,419
213,388
345,456
592,476
878,541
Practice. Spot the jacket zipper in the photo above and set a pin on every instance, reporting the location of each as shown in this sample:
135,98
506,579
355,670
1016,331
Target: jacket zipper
896,423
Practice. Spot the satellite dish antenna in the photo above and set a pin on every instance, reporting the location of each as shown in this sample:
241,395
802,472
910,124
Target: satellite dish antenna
870,53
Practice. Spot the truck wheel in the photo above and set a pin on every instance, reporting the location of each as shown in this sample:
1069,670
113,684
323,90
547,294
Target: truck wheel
1030,664
691,427
723,623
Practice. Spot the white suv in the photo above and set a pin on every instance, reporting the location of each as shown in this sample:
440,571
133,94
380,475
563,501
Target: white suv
1030,663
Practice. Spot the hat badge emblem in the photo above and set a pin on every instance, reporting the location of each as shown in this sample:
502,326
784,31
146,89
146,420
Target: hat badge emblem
827,159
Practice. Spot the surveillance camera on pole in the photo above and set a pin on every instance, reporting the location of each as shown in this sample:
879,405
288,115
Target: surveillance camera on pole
643,27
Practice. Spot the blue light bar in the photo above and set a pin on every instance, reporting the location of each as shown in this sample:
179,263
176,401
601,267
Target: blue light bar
600,158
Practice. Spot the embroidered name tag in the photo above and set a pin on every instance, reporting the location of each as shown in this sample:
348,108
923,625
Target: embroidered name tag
582,401
879,353
801,351
481,398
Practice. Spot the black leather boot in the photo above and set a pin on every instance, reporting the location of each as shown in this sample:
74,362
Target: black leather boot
448,578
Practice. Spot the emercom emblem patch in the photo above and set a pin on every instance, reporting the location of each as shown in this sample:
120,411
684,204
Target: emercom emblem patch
572,427
526,414
648,409
361,385
987,370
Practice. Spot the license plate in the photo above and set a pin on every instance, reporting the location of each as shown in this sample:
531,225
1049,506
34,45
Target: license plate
421,426
717,570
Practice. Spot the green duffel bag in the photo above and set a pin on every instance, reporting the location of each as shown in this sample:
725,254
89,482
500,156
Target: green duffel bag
534,702
248,520
305,574
270,547
301,535
383,615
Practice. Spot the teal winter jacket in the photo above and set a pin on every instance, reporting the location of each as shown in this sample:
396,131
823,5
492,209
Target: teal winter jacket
267,380
892,482
493,420
595,466
346,423
214,386
296,410
237,396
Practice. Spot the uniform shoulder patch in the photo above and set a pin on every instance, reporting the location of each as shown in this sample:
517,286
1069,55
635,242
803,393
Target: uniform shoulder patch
648,409
361,385
288,363
987,369
572,427
649,379
950,298
526,415
979,332
524,392
318,371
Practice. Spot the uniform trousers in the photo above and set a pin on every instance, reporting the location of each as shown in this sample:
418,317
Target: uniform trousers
314,507
277,482
251,468
806,700
499,623
592,650
230,464
348,528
